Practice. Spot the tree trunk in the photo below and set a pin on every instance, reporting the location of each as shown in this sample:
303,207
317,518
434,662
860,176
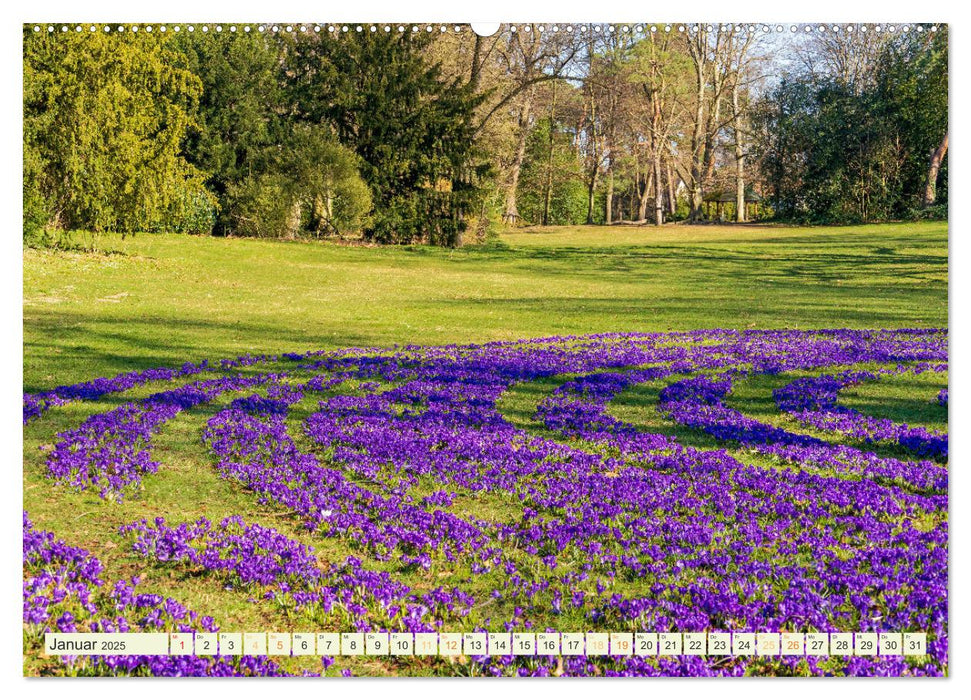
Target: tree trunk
937,157
322,214
697,136
705,127
511,213
609,212
591,193
645,197
293,221
610,143
548,194
656,154
711,127
548,197
739,157
658,191
595,165
476,64
672,191
697,200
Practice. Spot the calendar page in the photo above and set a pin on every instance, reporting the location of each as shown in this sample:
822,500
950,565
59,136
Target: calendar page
541,347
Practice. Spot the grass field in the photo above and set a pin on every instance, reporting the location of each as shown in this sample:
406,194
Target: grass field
163,300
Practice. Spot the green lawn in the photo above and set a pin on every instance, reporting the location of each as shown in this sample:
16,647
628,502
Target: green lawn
164,299
161,300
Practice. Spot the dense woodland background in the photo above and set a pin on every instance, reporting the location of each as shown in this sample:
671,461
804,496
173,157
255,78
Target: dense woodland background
437,136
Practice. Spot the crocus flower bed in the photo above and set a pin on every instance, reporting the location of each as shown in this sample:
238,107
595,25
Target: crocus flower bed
110,451
265,562
37,404
64,592
451,517
697,403
813,402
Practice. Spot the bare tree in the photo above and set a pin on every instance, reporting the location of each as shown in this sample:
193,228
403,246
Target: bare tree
705,46
737,47
590,142
659,72
527,57
606,89
848,55
722,61
524,124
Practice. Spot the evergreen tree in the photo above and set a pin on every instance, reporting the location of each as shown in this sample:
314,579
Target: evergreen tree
274,176
240,116
912,90
411,129
104,122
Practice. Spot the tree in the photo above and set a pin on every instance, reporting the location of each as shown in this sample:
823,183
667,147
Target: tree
528,58
551,187
411,129
603,88
740,64
240,122
104,122
660,70
871,148
412,136
273,174
849,57
703,45
312,187
912,85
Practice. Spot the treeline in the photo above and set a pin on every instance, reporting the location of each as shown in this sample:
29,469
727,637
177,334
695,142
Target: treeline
861,133
726,122
418,136
247,133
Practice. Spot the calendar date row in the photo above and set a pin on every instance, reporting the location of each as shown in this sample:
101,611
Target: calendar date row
491,644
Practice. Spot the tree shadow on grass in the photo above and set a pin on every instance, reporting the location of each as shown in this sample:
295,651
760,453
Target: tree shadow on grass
757,259
734,311
111,346
914,411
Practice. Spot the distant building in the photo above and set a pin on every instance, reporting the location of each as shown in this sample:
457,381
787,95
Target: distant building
715,201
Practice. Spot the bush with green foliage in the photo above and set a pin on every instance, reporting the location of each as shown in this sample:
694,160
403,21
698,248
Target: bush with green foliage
104,122
833,151
313,188
324,181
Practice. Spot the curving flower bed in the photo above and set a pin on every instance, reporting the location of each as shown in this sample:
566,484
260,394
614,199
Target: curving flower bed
64,592
812,401
449,516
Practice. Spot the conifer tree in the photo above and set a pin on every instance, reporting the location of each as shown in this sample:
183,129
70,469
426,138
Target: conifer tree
411,129
104,121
